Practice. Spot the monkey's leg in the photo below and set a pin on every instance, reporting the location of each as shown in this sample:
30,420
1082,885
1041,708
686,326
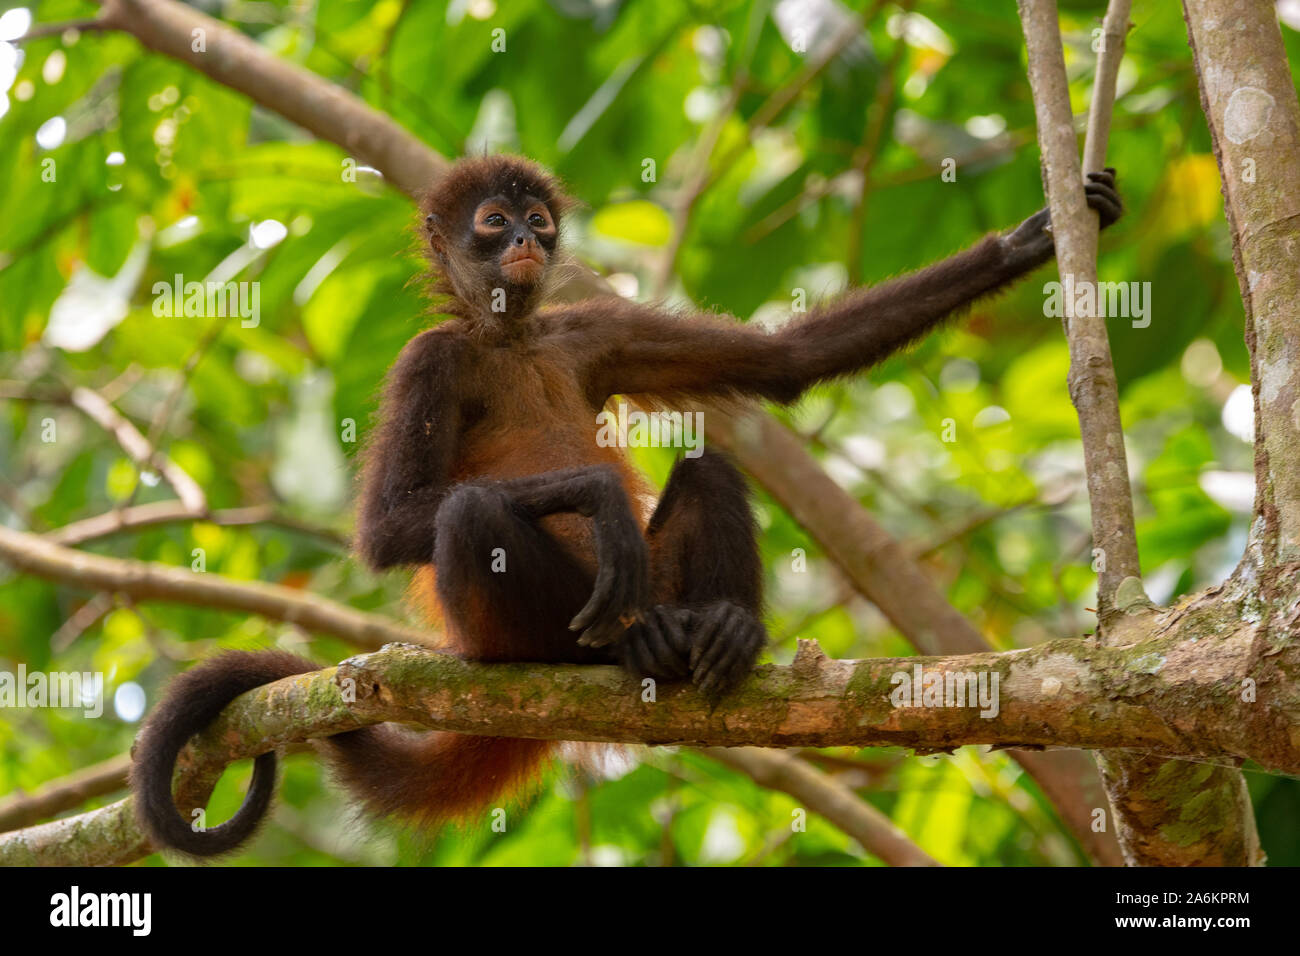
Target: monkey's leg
622,585
507,587
707,577
508,590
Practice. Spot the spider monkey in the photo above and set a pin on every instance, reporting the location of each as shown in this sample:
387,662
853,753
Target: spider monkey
485,473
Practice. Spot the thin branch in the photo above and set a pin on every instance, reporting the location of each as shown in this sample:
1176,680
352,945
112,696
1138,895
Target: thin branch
1093,387
148,581
83,619
40,31
703,175
776,104
881,108
1114,34
54,797
171,512
12,498
138,448
162,417
829,797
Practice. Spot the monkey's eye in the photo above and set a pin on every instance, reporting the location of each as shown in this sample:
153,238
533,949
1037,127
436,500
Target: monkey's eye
494,219
538,221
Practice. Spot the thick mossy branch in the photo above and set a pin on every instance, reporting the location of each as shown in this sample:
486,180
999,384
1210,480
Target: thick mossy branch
1166,696
1180,695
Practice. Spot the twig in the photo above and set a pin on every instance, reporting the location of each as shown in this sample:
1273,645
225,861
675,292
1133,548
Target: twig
84,618
829,797
779,102
147,581
42,30
162,417
24,809
881,107
137,447
169,512
95,407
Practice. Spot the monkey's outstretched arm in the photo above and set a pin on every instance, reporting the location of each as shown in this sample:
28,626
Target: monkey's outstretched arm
409,458
642,350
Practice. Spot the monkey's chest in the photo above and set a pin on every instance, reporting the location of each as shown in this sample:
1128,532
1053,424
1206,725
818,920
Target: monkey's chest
537,420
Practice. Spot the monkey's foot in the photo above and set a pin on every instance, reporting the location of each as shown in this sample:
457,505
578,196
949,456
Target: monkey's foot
725,642
715,645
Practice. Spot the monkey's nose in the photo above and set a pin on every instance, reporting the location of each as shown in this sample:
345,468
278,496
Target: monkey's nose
519,240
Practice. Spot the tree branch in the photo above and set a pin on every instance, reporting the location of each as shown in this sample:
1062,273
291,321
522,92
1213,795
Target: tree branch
1249,101
1148,816
138,448
24,809
1093,387
171,512
1064,692
149,581
825,795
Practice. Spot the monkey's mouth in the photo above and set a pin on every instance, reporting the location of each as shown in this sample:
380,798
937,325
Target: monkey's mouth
522,266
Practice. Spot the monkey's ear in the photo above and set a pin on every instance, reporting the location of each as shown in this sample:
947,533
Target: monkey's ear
432,224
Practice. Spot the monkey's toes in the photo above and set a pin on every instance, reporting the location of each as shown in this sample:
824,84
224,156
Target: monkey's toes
725,646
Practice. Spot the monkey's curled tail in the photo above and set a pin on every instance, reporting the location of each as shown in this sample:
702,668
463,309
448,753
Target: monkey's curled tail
431,778
193,701
422,778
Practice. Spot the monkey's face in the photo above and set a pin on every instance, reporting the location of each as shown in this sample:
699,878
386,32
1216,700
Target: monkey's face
514,236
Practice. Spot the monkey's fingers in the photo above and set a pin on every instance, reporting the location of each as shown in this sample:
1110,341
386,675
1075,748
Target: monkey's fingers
596,605
1106,202
652,650
622,584
607,629
1102,196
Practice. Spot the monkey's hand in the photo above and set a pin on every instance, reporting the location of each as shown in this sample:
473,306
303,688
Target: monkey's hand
621,592
1033,237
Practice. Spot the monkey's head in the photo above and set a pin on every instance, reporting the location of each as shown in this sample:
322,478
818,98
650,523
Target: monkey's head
493,226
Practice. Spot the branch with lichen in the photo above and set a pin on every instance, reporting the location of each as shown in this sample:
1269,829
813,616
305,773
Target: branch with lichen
1210,686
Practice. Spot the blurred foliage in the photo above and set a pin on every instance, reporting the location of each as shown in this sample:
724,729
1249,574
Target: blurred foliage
159,172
